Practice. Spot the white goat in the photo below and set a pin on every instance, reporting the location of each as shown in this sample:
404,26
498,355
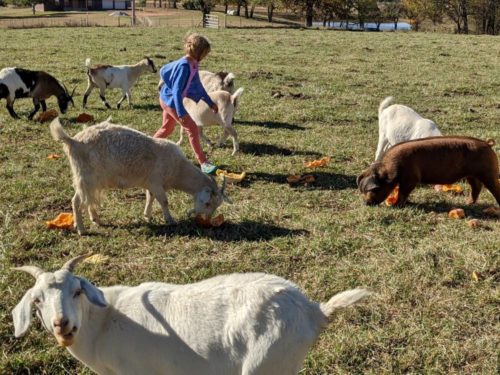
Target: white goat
203,115
237,324
217,81
113,77
108,156
214,81
398,123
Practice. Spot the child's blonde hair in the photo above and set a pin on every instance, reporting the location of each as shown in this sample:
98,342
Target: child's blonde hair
196,46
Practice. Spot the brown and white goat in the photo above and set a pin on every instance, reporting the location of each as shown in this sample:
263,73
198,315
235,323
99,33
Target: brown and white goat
114,77
18,83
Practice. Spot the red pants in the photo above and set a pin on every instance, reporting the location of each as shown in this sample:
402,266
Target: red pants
169,119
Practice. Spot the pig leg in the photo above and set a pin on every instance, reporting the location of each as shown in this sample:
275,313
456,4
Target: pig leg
493,185
404,191
476,187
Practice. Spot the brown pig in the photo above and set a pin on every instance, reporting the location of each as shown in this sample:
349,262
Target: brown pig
434,160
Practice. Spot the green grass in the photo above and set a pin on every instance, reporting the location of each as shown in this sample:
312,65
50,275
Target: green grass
428,315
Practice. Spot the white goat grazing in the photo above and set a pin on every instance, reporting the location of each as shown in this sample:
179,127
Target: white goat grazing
203,115
238,324
398,123
108,156
113,77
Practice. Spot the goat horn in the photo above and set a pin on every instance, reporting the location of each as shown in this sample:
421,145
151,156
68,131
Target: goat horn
73,92
32,270
224,181
70,264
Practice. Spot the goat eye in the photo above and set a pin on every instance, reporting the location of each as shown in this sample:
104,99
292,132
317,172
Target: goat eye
36,301
77,293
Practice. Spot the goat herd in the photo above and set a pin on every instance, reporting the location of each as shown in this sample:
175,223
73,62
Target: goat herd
251,323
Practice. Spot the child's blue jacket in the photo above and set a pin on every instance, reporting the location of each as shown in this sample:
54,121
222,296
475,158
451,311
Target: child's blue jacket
175,75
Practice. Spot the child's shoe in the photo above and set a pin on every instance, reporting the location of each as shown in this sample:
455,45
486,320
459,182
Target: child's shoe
208,168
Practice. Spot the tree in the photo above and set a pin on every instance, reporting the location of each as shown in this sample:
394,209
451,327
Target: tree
416,11
487,16
457,10
392,11
302,7
367,10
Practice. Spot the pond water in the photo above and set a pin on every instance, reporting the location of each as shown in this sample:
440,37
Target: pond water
369,26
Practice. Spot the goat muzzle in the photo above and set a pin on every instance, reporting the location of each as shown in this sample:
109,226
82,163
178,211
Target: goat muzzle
65,339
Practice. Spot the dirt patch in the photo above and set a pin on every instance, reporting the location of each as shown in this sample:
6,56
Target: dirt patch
277,94
260,74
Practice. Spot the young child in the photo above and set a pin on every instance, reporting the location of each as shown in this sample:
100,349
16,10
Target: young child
181,79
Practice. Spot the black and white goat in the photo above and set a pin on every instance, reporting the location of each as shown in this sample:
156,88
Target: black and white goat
114,77
22,83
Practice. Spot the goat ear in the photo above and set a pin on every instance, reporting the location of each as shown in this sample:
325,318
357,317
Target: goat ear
94,294
22,315
204,195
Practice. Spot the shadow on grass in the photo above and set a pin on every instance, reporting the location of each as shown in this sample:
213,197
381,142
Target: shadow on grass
229,232
271,125
147,107
474,211
324,180
262,149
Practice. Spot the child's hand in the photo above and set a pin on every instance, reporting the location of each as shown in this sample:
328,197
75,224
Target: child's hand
214,108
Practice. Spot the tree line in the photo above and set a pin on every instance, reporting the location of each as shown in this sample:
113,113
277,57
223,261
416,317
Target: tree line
485,14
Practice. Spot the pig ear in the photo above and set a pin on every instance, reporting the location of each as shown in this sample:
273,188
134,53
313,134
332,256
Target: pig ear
22,315
358,180
370,185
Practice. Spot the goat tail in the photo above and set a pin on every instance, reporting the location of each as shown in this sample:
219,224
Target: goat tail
343,299
229,78
88,65
236,95
384,104
58,132
491,142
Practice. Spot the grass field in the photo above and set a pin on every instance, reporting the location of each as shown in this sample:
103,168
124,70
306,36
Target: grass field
429,315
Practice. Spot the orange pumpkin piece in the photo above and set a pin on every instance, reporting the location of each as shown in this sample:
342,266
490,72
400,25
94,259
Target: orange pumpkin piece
393,197
293,179
47,116
84,117
318,163
308,179
492,211
456,213
453,188
62,221
231,177
474,223
300,179
53,156
217,221
206,222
